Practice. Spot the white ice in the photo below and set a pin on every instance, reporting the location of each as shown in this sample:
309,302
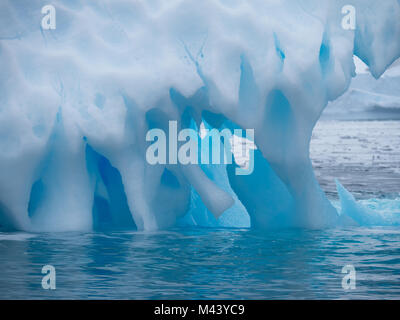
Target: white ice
77,101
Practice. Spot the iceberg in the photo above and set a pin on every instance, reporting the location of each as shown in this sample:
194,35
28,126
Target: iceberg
77,99
364,215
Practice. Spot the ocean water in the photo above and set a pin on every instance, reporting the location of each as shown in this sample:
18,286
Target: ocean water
363,155
201,263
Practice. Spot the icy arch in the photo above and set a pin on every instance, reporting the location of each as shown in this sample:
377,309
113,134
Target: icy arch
76,103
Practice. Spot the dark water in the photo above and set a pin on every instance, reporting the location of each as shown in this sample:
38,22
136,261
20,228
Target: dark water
203,264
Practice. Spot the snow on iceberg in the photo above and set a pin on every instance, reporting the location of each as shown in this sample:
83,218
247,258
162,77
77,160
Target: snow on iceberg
76,103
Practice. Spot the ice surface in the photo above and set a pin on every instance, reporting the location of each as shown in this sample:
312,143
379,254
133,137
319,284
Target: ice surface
76,103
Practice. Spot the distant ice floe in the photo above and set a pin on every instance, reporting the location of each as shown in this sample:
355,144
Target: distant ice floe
369,98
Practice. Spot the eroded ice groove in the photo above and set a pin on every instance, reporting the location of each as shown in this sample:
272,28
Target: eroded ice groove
112,70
